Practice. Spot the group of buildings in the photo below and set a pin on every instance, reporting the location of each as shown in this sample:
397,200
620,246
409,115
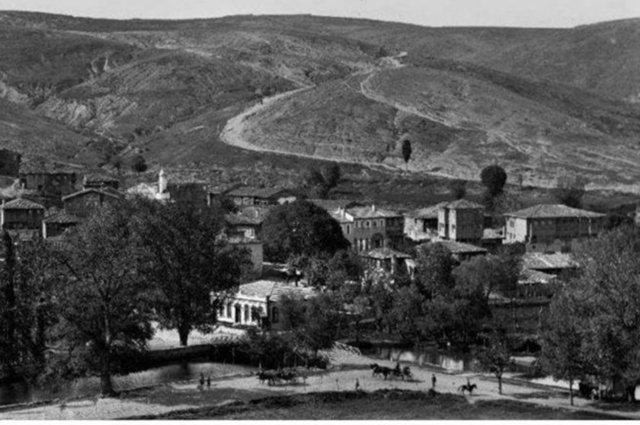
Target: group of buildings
380,236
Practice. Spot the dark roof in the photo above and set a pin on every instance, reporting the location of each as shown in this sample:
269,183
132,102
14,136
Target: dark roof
463,204
99,177
62,217
22,204
553,211
36,167
257,192
105,191
461,248
384,254
334,204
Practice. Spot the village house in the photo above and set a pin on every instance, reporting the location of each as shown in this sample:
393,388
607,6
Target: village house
386,259
555,264
257,304
551,227
22,215
462,251
100,181
421,225
461,221
247,222
85,202
47,179
255,249
367,228
252,196
56,222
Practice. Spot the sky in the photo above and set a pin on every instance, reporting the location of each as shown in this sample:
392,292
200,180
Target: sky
519,13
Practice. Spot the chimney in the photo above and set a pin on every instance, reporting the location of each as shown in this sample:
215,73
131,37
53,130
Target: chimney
373,208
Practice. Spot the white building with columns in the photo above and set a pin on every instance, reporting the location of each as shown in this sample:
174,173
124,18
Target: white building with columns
258,303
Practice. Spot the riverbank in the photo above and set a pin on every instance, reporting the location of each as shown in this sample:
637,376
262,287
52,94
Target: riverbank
348,368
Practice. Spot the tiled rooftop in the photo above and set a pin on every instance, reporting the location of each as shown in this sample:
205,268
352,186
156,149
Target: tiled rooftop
384,254
250,215
463,204
275,289
22,204
105,191
542,261
461,248
553,211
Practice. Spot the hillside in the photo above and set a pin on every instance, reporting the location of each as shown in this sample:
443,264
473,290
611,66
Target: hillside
542,102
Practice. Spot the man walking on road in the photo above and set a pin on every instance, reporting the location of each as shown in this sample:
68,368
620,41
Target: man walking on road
433,381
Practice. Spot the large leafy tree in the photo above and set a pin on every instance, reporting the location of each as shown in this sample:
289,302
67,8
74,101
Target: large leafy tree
189,261
453,309
604,300
301,228
495,355
106,311
562,341
495,273
27,306
493,178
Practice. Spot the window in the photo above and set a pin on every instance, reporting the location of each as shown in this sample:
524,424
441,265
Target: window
229,309
274,315
247,316
348,229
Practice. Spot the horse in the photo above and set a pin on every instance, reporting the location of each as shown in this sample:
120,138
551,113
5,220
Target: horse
380,370
467,387
269,376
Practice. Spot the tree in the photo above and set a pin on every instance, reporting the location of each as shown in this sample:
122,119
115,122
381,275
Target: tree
493,178
496,273
139,164
316,322
321,183
406,150
570,191
458,188
301,228
189,261
495,356
107,309
562,342
605,305
454,310
331,176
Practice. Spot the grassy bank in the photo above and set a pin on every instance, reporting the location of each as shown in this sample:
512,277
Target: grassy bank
382,404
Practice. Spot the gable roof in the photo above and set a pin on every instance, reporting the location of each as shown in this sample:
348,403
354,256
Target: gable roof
98,177
372,212
463,204
553,211
384,254
333,204
275,289
529,277
104,191
248,216
542,261
22,204
461,248
62,217
256,192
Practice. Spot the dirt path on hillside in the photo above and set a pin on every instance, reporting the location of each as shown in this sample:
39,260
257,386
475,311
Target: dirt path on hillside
233,132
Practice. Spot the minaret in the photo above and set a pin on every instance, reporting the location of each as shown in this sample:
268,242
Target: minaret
162,182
